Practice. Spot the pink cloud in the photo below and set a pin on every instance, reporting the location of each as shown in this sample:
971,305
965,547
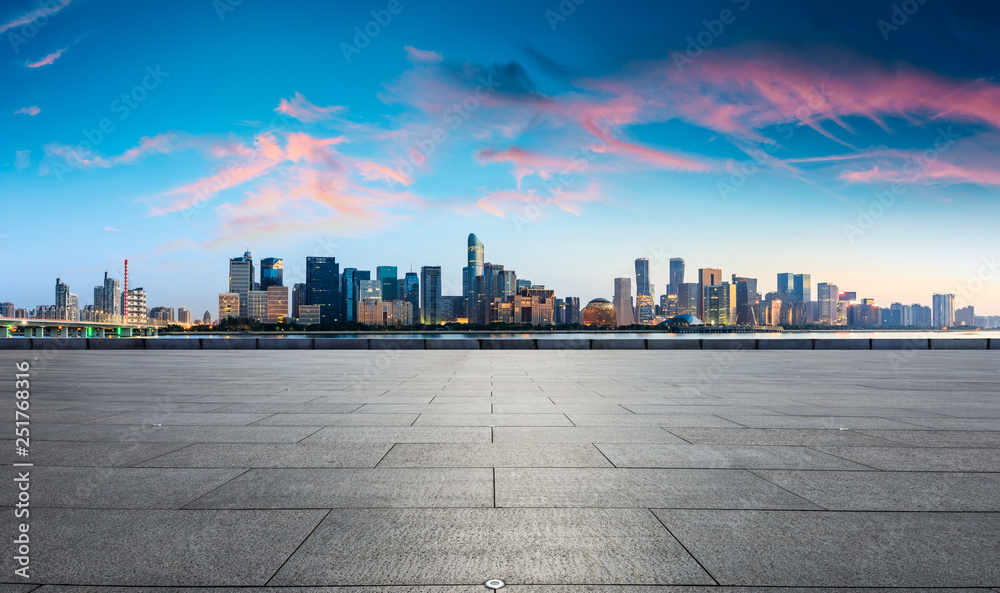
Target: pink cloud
420,56
301,109
374,171
530,204
47,60
42,11
33,110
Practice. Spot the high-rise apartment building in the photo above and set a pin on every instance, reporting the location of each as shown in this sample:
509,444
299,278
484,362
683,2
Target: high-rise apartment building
135,306
271,272
944,310
241,279
430,295
7,310
183,316
323,287
623,302
62,294
111,296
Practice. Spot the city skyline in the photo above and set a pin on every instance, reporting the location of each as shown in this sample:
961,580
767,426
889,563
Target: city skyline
575,142
269,271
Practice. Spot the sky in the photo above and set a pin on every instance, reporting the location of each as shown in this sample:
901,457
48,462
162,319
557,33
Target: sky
854,141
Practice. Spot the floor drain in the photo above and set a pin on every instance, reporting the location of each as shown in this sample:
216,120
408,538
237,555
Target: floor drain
494,584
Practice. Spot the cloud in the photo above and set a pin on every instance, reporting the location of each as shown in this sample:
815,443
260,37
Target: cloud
42,11
33,110
301,109
108,228
530,204
22,159
47,60
374,171
420,56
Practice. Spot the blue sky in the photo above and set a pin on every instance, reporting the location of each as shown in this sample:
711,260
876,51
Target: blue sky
571,138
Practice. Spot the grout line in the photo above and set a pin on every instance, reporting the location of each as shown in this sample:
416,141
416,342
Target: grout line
304,540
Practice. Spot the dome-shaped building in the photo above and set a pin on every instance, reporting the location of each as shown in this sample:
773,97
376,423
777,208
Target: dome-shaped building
600,313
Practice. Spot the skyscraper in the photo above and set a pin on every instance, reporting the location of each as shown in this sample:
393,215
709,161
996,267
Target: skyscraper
802,288
623,302
229,305
241,279
828,296
747,301
943,310
676,274
572,310
323,287
720,304
112,304
643,292
62,294
271,272
706,277
474,268
688,298
388,276
430,295
411,294
785,283
277,304
298,297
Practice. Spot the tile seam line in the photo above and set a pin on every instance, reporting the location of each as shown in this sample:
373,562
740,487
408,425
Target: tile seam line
298,547
685,548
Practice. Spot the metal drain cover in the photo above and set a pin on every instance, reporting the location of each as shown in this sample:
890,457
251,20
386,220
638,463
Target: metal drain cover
494,584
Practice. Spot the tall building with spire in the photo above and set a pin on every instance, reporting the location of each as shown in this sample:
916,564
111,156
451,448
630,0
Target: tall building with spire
474,268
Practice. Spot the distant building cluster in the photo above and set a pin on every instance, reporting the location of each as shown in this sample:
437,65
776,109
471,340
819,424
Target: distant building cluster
493,294
113,303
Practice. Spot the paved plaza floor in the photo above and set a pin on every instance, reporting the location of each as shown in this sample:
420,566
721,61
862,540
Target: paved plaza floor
555,471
